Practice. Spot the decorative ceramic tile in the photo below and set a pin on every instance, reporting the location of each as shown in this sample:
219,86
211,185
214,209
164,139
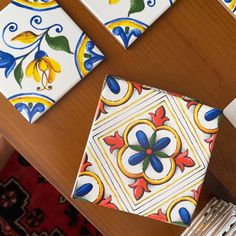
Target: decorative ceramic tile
43,54
128,19
231,5
147,152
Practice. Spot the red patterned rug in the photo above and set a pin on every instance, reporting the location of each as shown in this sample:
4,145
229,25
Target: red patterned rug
30,206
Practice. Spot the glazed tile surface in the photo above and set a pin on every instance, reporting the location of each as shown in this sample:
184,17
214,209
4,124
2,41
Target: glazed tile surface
147,152
231,5
127,19
43,54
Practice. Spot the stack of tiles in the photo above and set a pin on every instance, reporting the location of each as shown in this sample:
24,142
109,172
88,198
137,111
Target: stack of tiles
218,218
147,152
43,54
127,20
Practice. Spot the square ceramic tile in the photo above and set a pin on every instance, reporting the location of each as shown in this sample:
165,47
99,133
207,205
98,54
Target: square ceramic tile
231,5
147,152
43,54
127,19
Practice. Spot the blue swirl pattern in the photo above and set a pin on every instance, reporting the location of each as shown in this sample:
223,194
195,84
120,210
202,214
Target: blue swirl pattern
151,3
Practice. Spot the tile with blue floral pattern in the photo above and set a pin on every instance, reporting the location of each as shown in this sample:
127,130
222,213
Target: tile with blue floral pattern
127,19
43,54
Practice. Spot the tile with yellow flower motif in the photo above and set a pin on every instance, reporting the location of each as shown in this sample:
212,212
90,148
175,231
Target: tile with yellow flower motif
230,5
43,54
148,152
127,19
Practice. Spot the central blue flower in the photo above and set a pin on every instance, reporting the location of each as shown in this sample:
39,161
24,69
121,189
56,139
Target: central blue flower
149,151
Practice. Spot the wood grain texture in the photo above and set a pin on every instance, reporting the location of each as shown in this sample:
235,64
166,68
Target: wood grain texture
6,150
191,50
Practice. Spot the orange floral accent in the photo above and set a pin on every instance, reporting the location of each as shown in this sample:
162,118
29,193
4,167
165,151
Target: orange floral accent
139,186
211,141
116,141
158,216
159,117
197,192
107,203
182,161
85,164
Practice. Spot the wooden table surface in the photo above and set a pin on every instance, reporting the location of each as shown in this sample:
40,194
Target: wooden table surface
191,50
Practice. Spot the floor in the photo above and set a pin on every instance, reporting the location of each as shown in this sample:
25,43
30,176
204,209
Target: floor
29,205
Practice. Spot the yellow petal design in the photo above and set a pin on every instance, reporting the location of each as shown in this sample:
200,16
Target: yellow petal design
232,5
43,66
53,64
51,75
30,69
36,74
26,37
113,1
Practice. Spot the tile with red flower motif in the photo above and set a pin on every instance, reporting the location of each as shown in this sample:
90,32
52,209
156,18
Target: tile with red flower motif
148,152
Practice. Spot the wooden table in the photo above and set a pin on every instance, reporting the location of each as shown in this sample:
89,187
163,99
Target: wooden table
190,50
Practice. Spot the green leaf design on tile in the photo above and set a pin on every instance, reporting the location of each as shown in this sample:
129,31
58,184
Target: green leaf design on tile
153,139
179,223
30,105
137,148
41,67
161,154
146,163
59,43
127,30
86,55
136,6
19,74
